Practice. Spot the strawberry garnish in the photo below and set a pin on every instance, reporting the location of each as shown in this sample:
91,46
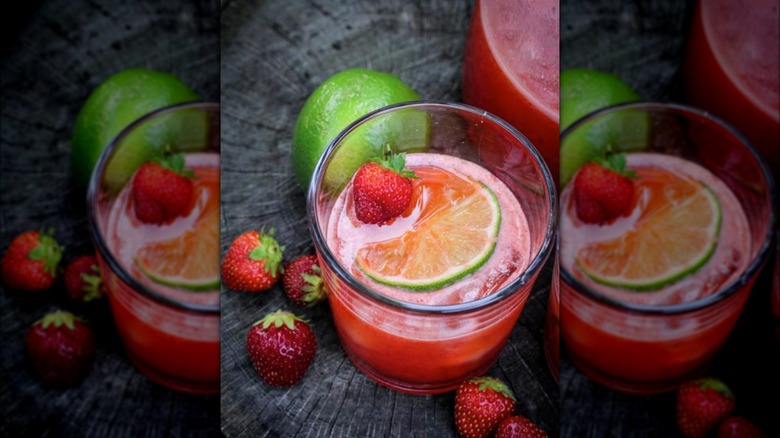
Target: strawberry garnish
603,190
519,427
253,262
61,347
382,189
302,281
82,279
480,405
701,405
31,261
162,189
281,347
739,427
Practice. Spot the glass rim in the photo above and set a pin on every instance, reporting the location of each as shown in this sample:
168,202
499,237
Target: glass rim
722,293
508,290
96,234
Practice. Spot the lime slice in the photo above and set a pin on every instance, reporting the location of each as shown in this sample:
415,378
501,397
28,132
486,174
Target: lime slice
454,240
675,236
190,261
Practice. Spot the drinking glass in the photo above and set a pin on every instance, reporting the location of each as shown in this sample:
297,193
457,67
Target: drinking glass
171,335
418,347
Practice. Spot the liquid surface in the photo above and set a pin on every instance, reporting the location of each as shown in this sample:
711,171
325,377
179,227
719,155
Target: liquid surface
346,234
728,261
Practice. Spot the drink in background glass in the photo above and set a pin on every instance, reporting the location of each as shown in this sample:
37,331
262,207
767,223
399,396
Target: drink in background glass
552,326
511,68
731,69
429,341
638,332
168,320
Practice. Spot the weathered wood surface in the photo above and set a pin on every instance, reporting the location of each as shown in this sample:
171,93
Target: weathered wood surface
643,42
274,53
56,53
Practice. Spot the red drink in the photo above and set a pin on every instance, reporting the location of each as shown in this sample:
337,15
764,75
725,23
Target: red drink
650,297
163,279
428,335
511,68
732,69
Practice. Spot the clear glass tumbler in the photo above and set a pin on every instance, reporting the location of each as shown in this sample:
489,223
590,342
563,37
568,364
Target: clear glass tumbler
417,346
650,341
169,327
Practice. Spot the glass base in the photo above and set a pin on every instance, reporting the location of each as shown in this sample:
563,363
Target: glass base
635,387
178,385
414,388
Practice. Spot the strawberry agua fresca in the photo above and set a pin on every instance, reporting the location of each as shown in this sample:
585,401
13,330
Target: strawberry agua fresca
162,276
629,280
463,237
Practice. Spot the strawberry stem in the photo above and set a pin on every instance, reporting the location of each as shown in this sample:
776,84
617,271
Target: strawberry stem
279,318
494,384
58,318
270,252
394,162
48,251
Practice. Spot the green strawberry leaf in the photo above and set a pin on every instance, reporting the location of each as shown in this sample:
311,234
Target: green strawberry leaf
48,251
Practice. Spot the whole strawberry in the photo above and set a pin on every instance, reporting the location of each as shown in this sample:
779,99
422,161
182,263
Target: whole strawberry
61,348
519,427
382,189
31,261
603,190
701,405
480,405
302,281
82,279
253,262
739,427
281,347
162,190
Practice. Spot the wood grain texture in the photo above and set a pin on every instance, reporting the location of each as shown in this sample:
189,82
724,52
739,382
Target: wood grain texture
274,54
643,42
58,53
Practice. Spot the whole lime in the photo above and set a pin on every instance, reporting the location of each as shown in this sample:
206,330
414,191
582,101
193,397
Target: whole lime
339,101
113,105
584,91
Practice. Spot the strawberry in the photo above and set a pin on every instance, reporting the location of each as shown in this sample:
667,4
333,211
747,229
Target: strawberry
480,405
302,281
253,262
382,189
31,261
281,347
701,405
603,190
82,279
61,347
739,427
519,427
162,189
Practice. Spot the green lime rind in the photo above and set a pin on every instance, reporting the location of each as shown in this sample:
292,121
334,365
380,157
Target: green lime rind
677,274
433,284
337,102
117,102
207,285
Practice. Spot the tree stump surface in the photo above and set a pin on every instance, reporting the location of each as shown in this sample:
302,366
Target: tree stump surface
274,54
56,53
